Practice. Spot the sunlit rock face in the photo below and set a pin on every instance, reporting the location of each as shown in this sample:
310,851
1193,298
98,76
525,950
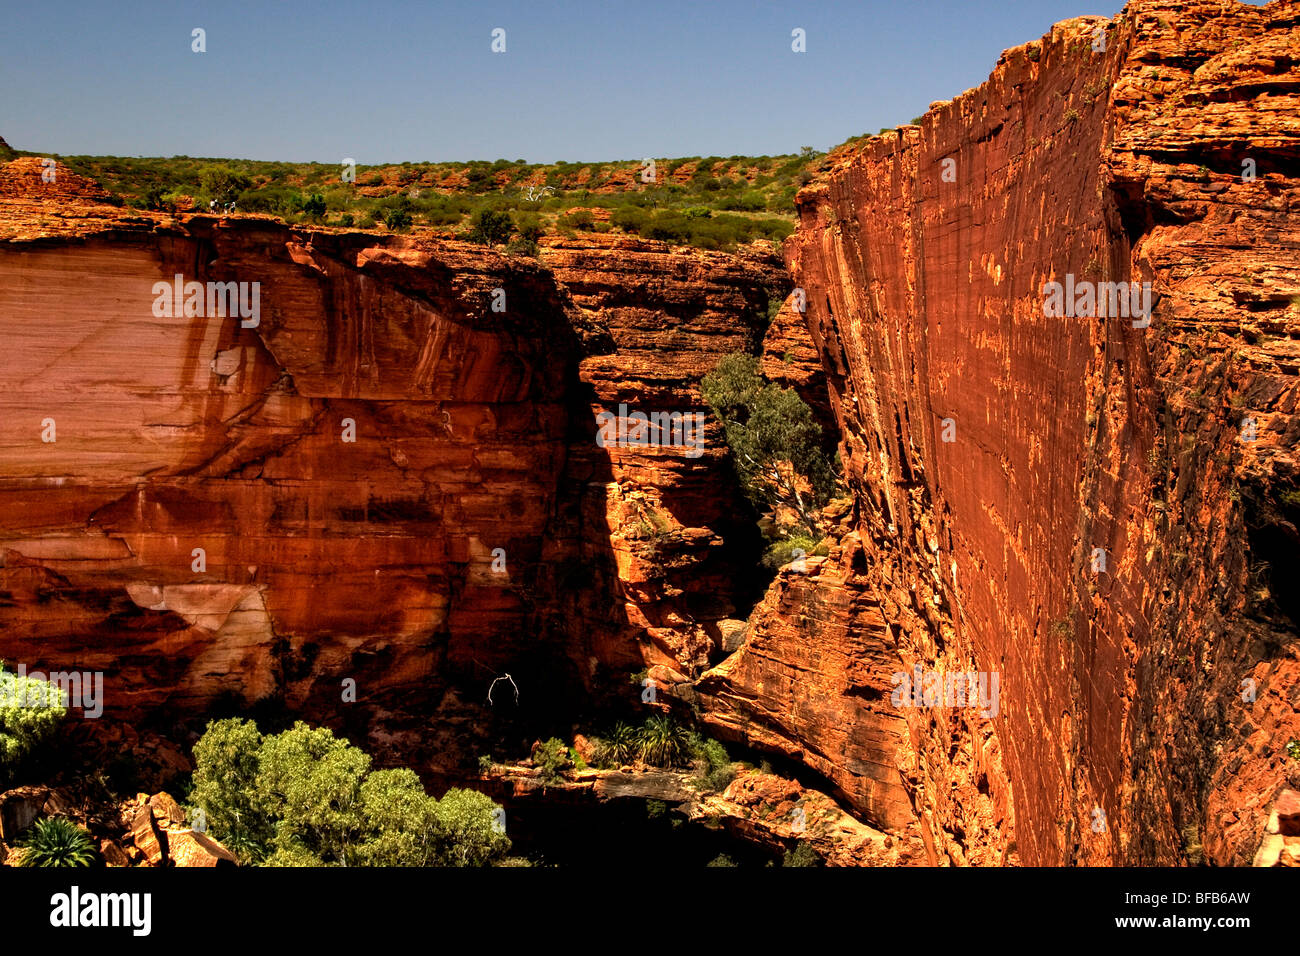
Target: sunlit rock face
216,508
1096,506
371,475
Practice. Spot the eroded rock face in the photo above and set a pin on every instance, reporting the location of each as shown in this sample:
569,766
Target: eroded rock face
240,510
388,475
659,526
1143,710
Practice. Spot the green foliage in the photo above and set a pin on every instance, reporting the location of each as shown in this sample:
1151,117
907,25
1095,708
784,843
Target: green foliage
468,834
306,798
314,206
801,855
662,742
721,860
620,745
774,439
716,767
56,841
718,208
395,214
550,757
491,227
782,552
223,183
1293,749
30,710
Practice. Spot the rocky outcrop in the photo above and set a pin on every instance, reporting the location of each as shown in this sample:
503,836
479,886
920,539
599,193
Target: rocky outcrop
999,455
384,488
658,524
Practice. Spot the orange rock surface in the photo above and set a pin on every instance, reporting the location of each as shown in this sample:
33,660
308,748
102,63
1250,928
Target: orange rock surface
1144,710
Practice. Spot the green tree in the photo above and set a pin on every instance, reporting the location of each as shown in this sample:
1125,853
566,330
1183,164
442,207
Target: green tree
774,439
402,819
307,798
311,782
30,710
491,227
468,833
56,841
314,206
226,789
223,183
396,214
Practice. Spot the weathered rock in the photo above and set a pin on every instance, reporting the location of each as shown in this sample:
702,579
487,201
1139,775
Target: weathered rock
191,848
992,447
1286,811
19,809
166,811
112,854
148,837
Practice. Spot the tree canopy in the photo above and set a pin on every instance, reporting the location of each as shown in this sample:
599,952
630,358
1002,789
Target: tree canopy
306,798
774,439
30,710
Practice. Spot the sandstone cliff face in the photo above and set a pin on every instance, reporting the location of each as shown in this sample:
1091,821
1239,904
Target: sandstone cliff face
390,477
661,527
1144,711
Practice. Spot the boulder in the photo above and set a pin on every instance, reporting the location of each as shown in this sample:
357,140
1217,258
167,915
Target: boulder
167,811
146,835
192,848
19,809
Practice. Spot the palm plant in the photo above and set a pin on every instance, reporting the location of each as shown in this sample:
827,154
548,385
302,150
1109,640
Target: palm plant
663,742
57,841
620,744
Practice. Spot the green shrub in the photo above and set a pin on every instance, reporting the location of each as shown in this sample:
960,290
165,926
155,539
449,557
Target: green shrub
662,742
774,439
781,553
395,214
619,745
716,767
30,711
56,841
522,247
306,798
223,183
491,227
721,860
551,757
314,206
801,855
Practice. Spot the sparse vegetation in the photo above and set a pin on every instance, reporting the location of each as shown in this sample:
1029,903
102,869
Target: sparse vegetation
802,855
711,203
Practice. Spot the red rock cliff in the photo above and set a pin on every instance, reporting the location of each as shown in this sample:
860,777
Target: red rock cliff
1144,711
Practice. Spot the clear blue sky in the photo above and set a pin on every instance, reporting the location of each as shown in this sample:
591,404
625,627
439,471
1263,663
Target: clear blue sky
392,81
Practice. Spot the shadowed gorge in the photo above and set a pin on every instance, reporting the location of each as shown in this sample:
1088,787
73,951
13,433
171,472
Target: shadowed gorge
383,500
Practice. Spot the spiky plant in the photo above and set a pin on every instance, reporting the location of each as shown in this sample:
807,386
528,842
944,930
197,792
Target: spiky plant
663,742
621,744
57,841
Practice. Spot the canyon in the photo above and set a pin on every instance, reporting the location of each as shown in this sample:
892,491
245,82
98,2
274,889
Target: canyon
388,494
